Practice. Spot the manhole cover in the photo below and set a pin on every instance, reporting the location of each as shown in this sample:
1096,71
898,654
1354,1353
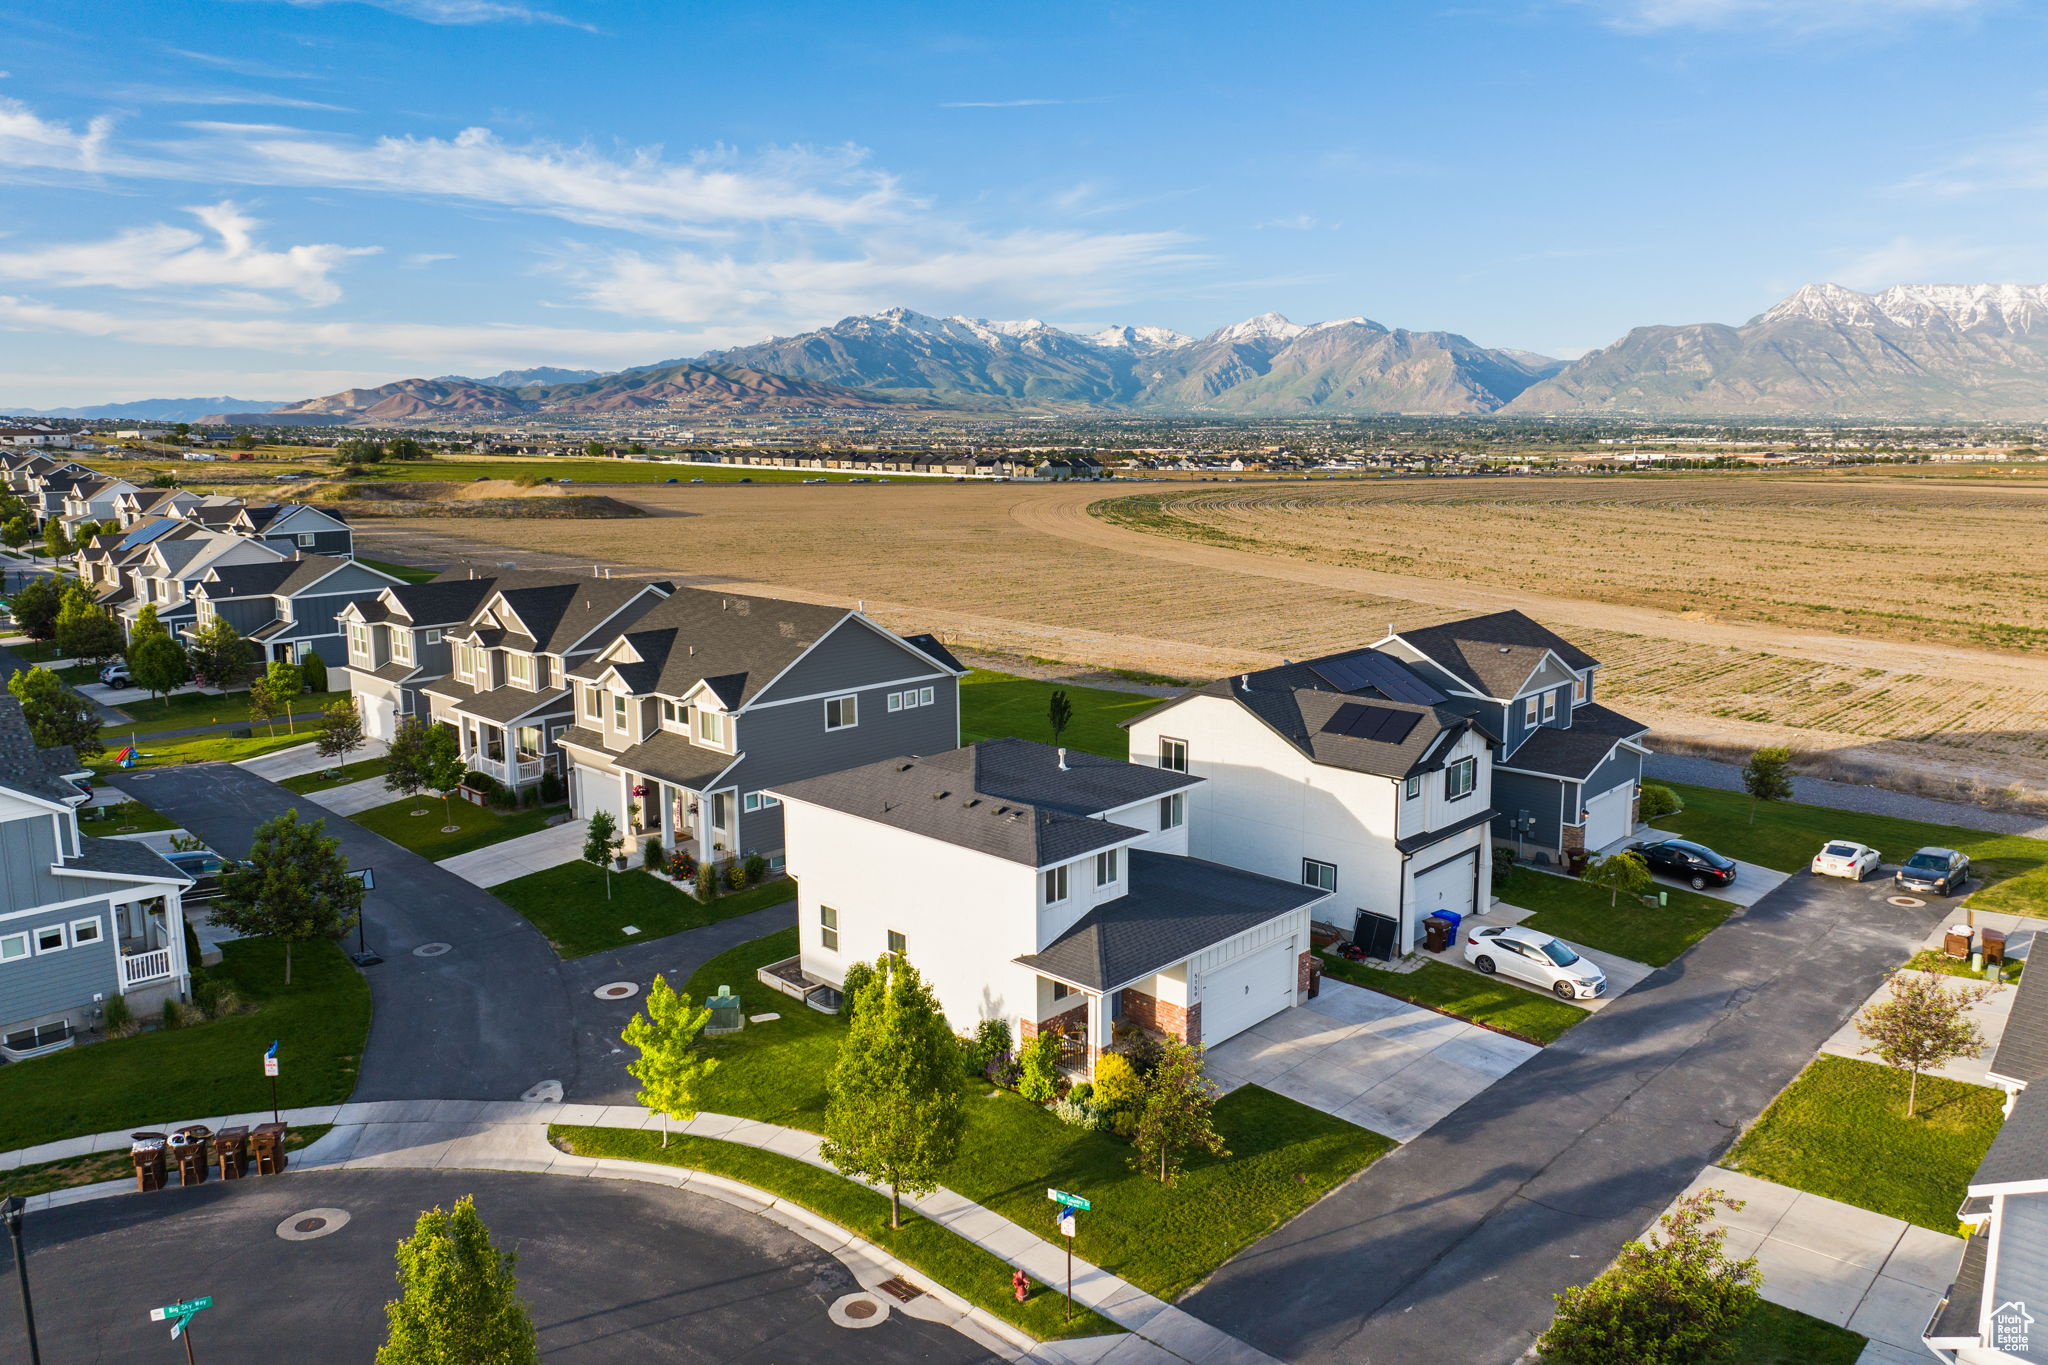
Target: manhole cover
859,1310
432,949
617,990
304,1227
1910,902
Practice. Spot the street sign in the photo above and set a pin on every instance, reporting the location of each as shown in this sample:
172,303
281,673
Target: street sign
270,1059
180,1310
1072,1201
366,875
1067,1219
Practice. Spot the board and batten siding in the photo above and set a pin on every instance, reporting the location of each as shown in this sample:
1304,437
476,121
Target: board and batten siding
854,654
28,848
62,982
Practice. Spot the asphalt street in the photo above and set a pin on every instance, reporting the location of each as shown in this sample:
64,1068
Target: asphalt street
611,1271
1451,1247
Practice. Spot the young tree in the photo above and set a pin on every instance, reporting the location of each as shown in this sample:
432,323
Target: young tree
670,1070
263,707
405,759
158,662
55,543
18,531
442,767
341,731
313,673
294,886
1921,1025
287,685
1677,1300
405,448
56,715
36,606
1619,872
1176,1112
1059,712
220,656
594,449
894,1109
146,625
1767,777
601,845
458,1299
245,440
85,630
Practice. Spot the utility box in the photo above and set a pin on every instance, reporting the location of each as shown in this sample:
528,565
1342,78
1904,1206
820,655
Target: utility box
231,1150
148,1152
725,1012
189,1150
267,1144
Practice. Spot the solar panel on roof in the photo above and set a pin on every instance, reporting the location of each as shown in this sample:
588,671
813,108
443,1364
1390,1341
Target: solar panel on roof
1372,669
1380,724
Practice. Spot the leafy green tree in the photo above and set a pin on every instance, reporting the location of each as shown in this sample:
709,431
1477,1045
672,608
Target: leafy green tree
594,449
17,531
55,543
1767,776
1177,1112
287,685
405,448
1619,872
341,731
671,1069
405,758
601,845
85,629
293,886
56,715
11,506
220,656
458,1299
313,672
245,440
358,450
1059,713
146,625
894,1112
263,707
158,663
1921,1025
442,767
35,607
1675,1300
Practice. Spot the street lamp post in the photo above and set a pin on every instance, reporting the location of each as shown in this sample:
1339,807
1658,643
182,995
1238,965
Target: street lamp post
11,1210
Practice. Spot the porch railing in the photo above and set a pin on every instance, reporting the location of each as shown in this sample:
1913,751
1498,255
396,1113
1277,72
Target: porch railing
512,772
138,968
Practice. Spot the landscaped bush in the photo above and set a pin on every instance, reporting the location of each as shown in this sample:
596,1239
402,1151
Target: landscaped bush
858,975
757,868
1658,801
1080,1113
313,673
652,856
173,1016
119,1020
736,876
707,883
684,865
991,1039
1117,1085
1039,1072
550,788
1003,1070
480,782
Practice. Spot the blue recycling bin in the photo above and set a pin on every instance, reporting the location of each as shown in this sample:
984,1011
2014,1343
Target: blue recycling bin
1451,918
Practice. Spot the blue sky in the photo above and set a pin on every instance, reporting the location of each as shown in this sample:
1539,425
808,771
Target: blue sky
278,198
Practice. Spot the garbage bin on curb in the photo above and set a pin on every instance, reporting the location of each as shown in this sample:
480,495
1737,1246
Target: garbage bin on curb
267,1141
1315,975
189,1149
231,1149
147,1151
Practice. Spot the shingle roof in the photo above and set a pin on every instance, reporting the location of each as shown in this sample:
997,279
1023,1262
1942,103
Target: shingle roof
499,704
1495,653
931,645
1962,1310
1576,752
123,858
1175,908
1308,717
668,757
1008,798
278,577
736,645
2020,1151
2022,1053
441,601
25,768
558,610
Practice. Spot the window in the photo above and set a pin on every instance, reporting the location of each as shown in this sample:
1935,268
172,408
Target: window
1549,707
898,945
828,928
50,938
1105,866
401,645
1061,990
307,540
711,728
618,710
358,640
841,713
459,653
675,716
1173,755
1055,885
1460,778
593,707
519,669
85,931
13,946
1323,875
1530,710
433,637
754,801
896,701
924,696
1412,788
1173,810
1578,689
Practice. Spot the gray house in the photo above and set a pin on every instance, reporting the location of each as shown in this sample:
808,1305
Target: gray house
685,719
81,920
296,528
1567,771
397,643
287,608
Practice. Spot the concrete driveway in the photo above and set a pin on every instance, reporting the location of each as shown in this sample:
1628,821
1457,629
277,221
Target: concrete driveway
1623,974
1752,880
1370,1059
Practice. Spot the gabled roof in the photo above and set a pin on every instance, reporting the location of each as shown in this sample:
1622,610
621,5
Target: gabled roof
1008,798
122,858
1361,732
278,578
552,613
500,705
2022,1052
2019,1153
1495,654
1573,754
33,772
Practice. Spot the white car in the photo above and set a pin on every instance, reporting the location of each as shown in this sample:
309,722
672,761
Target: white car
1538,959
1841,858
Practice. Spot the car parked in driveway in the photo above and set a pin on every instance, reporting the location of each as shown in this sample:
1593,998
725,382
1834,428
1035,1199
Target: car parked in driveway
1537,959
204,867
1841,858
1685,861
116,675
1940,871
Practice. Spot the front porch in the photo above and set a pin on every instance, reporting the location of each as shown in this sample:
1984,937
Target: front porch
514,756
1093,1022
151,950
690,822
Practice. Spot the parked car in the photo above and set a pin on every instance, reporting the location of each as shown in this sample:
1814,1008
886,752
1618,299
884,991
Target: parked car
1840,858
1686,861
1942,871
204,867
116,675
1538,959
696,481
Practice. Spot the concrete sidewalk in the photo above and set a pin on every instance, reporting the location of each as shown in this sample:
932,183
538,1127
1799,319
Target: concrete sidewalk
356,797
516,858
303,759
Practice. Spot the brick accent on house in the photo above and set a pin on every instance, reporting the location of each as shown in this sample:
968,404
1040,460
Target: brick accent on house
1302,971
1073,1022
1574,838
1635,810
1160,1016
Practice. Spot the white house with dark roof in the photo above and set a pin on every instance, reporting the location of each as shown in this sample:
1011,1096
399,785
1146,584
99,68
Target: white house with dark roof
1045,887
1996,1309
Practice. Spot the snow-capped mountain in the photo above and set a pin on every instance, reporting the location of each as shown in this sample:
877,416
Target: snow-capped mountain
2014,309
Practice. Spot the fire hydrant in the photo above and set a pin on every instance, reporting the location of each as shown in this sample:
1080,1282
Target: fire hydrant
1021,1284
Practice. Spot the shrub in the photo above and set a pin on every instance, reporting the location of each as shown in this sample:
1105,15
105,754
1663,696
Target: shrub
1658,802
527,481
1503,868
707,883
651,855
757,868
991,1038
1079,1113
1003,1070
1039,1076
550,788
174,1015
118,1019
1117,1085
736,876
684,865
480,782
1081,1090
313,672
858,975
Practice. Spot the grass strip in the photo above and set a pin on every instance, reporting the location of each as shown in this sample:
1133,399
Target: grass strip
91,1170
474,826
994,705
184,710
360,770
1483,1000
980,1277
1776,1335
169,753
573,906
1641,932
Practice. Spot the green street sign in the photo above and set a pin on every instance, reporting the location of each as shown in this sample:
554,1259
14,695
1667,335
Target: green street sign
180,1310
1072,1201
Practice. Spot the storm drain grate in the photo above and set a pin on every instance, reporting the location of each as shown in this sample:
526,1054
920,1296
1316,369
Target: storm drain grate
900,1289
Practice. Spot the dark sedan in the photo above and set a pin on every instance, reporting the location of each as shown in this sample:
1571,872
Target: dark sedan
1941,871
1686,861
205,868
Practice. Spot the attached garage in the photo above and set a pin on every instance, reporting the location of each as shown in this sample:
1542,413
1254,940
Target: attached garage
1449,885
1607,816
380,715
1244,991
591,791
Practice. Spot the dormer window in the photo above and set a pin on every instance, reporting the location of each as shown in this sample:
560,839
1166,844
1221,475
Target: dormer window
593,704
1549,707
675,716
1578,690
1055,885
519,669
358,640
401,645
710,728
1106,867
1532,709
618,711
1460,778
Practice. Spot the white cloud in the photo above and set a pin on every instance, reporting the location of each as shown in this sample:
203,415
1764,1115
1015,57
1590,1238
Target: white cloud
420,260
28,142
457,11
2011,163
1299,222
1909,260
163,256
1804,16
165,94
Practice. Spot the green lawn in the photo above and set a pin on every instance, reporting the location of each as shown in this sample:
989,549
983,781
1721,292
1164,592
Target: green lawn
1467,995
474,826
403,572
1569,909
35,651
1284,1155
221,748
115,1165
349,772
1935,960
570,905
1786,835
156,1078
1774,1335
188,709
1841,1130
129,817
993,705
981,1277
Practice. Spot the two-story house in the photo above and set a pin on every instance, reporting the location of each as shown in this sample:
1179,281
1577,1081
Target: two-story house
1045,887
397,643
163,569
1347,773
288,609
507,691
296,527
1567,771
687,718
81,920
94,498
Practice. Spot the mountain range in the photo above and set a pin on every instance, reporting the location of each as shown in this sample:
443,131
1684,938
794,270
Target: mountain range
674,387
155,409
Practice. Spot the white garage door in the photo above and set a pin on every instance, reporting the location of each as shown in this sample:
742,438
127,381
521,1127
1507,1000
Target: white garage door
595,791
1239,994
1607,817
380,716
1447,886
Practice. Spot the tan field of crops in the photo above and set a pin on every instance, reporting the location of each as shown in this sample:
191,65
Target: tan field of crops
1894,623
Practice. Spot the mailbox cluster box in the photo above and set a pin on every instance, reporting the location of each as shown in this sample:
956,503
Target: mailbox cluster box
192,1150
